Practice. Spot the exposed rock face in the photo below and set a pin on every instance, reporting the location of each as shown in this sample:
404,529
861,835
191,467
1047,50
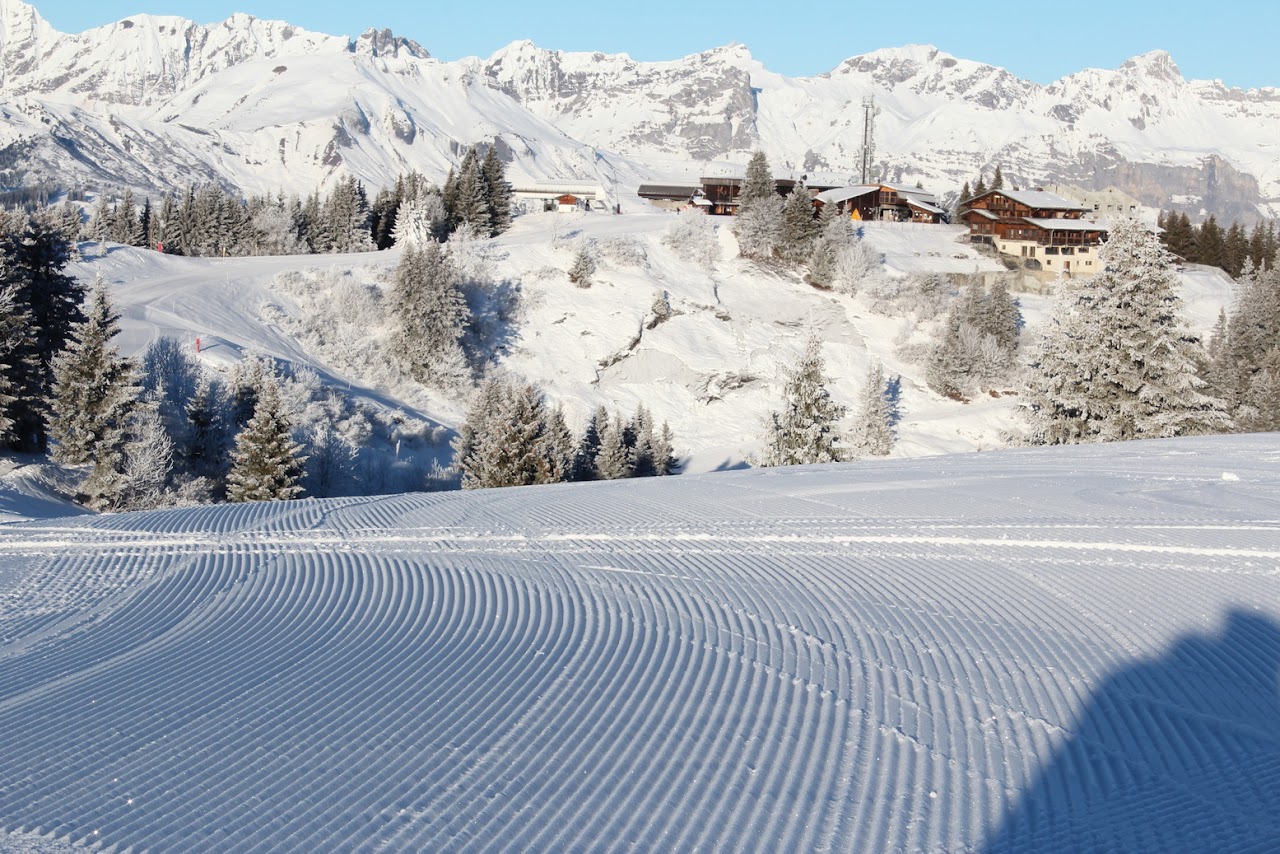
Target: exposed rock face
156,101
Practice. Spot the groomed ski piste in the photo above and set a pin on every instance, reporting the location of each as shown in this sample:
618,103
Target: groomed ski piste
1027,650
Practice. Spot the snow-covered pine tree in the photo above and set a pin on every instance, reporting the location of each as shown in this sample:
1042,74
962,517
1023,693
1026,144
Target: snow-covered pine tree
207,439
643,458
584,463
102,221
1115,361
758,184
504,441
94,388
997,180
829,247
16,356
33,254
758,224
799,228
497,191
804,431
147,461
583,266
419,220
1252,330
471,205
171,375
664,457
758,227
266,463
558,446
330,461
430,315
872,434
613,459
93,396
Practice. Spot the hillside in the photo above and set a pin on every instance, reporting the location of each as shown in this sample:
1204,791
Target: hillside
714,370
160,101
1047,650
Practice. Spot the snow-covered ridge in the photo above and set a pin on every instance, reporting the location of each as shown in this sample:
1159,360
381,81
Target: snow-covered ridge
1020,651
126,104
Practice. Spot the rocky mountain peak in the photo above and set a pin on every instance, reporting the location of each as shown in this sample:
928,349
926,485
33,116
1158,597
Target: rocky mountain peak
1156,65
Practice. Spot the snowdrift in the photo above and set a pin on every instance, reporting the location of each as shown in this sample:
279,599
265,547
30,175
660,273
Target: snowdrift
1016,651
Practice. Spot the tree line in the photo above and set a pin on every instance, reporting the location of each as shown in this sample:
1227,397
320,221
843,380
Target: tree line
209,221
1233,249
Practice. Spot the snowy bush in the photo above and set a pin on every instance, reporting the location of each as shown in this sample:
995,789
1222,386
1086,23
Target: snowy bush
623,252
695,238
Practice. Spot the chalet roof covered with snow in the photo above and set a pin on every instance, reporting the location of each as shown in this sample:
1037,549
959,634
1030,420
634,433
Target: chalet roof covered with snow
923,205
844,194
1039,200
1067,224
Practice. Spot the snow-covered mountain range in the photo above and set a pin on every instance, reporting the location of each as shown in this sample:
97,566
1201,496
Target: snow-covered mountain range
154,101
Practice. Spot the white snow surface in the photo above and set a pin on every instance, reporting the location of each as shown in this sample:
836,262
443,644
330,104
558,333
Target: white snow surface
1070,649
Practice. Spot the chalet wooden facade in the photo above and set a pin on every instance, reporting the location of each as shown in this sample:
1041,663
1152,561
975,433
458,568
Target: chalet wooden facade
714,195
884,202
1050,232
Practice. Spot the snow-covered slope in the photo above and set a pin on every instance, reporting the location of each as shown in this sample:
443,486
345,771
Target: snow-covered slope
1054,650
714,370
159,101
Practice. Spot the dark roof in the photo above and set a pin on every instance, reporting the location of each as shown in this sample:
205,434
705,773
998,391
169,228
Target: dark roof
667,191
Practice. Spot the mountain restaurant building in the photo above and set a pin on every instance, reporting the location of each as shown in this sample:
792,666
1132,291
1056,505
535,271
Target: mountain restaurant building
1045,229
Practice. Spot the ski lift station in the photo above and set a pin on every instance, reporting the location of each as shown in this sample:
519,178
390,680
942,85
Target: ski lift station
563,196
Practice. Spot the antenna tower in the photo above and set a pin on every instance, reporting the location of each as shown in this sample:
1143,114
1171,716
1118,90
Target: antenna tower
868,154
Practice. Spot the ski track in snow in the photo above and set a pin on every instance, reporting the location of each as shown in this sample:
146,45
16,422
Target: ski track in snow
914,655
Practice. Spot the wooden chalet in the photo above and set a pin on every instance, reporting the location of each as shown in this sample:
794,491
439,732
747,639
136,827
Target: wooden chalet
669,196
1046,229
884,202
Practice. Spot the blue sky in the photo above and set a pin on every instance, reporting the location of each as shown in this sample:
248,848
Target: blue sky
1232,40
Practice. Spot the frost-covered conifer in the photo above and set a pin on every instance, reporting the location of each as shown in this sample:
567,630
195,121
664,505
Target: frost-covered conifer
266,463
804,431
171,375
558,446
470,202
758,224
94,389
1115,361
583,266
872,433
643,458
758,183
430,315
330,462
497,191
16,356
664,458
147,461
584,463
208,435
505,441
418,221
799,229
613,459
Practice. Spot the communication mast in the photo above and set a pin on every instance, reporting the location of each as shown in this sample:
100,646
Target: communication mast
868,154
